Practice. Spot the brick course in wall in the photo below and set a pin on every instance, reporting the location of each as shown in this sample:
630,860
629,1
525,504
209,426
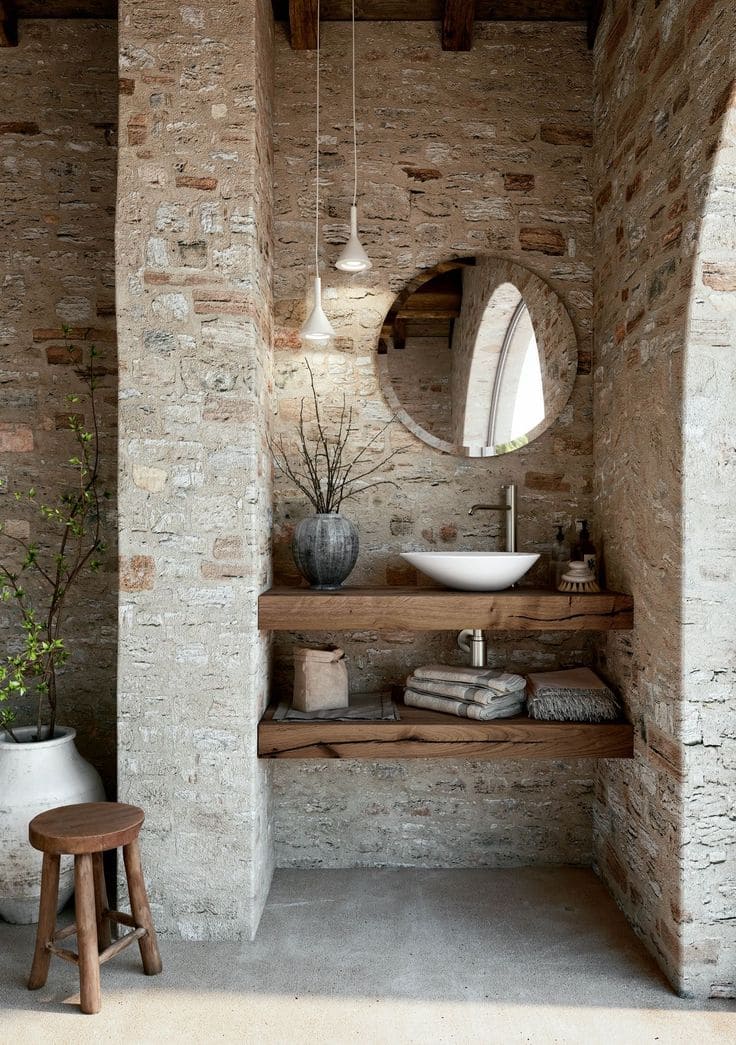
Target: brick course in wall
484,152
58,118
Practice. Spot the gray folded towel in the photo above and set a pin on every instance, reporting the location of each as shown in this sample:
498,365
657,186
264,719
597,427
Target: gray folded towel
487,678
573,695
501,708
460,691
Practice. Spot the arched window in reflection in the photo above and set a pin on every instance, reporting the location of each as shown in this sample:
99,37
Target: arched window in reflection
496,376
518,395
477,342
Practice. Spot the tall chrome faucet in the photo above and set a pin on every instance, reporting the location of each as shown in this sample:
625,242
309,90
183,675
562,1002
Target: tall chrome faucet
472,640
509,508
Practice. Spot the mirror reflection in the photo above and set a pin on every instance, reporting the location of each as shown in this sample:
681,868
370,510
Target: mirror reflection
478,357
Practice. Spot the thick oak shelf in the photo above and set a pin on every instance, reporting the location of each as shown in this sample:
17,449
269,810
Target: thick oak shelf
428,734
437,609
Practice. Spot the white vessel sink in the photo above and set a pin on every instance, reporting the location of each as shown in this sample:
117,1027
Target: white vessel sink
473,571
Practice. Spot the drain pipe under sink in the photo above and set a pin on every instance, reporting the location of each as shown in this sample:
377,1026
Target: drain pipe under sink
473,641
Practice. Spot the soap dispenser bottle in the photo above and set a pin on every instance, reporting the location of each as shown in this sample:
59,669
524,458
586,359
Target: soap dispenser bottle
559,558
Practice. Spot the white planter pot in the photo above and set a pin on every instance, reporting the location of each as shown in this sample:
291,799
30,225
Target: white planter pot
35,776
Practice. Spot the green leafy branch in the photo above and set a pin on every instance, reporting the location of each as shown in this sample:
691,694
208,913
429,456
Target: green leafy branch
39,583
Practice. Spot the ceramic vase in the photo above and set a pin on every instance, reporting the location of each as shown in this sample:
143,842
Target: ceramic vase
325,549
35,776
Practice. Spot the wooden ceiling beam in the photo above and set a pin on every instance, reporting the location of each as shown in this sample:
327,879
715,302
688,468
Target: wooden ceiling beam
432,10
595,13
303,24
8,24
457,25
457,16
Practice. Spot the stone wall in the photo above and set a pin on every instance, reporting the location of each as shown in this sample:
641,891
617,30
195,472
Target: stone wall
193,252
58,119
664,412
420,377
482,152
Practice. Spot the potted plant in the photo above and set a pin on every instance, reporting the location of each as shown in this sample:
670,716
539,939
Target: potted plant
40,767
328,472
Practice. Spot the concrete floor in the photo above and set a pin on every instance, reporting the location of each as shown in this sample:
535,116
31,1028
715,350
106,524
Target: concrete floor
384,957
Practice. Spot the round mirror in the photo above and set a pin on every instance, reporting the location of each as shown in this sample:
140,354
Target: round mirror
477,357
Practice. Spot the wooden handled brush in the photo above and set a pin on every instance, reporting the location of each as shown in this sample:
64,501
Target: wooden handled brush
578,579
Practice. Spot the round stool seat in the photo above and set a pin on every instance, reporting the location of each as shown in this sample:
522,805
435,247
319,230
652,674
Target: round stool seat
90,827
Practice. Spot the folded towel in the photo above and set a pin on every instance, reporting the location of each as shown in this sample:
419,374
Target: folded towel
503,708
460,691
566,678
487,678
573,695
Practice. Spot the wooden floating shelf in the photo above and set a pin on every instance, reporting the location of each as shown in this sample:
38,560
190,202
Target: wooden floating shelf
437,609
428,734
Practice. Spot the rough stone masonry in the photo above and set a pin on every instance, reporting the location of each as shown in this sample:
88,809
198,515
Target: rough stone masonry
488,151
193,250
665,326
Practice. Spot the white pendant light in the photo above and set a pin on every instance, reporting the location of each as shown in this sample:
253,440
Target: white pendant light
353,258
317,330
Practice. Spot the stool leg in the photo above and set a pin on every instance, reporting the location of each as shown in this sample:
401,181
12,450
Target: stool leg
104,937
46,920
141,911
89,965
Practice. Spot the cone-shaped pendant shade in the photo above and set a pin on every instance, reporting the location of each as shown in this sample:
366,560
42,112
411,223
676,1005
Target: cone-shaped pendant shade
317,330
353,257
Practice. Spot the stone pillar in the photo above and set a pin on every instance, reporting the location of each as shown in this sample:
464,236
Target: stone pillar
193,259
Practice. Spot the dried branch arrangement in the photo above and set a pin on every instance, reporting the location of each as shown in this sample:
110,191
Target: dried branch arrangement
326,471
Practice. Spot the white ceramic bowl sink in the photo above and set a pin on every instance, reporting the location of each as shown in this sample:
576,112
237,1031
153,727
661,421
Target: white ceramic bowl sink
473,571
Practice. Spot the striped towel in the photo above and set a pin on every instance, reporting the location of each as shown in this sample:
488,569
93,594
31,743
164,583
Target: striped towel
483,678
503,707
462,691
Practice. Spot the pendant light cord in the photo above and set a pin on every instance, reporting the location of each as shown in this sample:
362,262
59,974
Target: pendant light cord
316,211
355,128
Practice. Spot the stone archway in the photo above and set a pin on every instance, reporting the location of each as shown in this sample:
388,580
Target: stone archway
663,402
708,719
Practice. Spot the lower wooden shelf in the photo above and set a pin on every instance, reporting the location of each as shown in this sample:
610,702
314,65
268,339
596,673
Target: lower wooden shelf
428,734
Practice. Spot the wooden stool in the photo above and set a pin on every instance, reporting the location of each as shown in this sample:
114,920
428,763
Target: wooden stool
87,831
